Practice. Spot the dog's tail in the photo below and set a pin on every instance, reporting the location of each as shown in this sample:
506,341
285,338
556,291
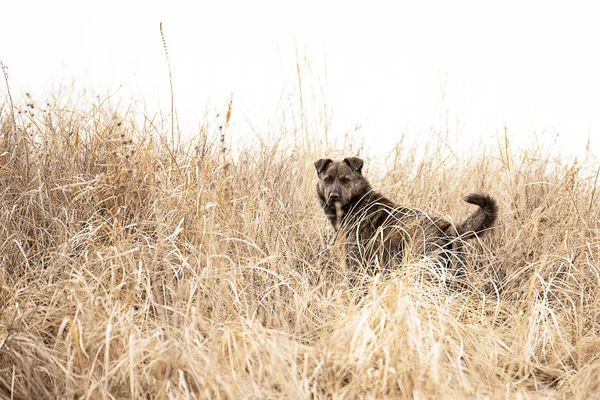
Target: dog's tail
481,220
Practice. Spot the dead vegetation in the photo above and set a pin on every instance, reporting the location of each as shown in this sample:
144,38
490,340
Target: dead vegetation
131,268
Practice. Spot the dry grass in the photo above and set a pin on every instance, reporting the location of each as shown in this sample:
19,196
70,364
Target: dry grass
131,270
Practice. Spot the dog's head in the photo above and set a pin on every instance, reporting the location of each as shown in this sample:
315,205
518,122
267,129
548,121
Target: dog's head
340,181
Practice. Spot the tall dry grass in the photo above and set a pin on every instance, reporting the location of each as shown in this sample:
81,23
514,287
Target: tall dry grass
129,269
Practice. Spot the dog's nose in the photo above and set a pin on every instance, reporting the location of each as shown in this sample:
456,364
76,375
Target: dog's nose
334,196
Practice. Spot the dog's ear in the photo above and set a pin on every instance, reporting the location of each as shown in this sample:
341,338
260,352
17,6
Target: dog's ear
354,162
321,164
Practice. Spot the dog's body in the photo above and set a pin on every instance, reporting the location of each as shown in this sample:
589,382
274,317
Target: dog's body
378,232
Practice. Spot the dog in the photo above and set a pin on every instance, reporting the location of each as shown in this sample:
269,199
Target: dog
380,234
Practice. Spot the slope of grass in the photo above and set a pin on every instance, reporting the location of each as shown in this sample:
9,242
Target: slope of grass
131,268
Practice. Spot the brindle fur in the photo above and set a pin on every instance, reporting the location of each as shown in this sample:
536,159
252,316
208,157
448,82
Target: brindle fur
381,233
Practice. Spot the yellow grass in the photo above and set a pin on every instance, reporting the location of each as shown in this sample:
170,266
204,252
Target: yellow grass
132,270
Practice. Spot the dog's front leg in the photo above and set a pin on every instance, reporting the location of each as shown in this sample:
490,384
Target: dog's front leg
353,264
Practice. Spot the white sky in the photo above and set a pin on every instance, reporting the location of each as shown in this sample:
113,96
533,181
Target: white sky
534,65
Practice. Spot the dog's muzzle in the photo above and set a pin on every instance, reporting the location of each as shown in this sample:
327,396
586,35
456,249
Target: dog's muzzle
332,199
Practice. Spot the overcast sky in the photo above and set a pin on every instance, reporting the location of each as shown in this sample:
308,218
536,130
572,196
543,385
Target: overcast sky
387,67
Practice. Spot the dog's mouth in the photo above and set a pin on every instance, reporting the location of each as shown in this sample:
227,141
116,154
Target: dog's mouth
333,202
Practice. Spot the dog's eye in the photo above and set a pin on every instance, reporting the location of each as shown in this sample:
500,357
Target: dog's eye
327,180
343,181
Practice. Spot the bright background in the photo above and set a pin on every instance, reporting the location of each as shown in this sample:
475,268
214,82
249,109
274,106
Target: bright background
383,68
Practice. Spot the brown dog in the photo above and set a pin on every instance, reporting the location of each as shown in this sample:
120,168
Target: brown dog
380,233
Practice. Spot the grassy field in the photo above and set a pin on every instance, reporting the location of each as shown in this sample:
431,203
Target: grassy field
131,267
